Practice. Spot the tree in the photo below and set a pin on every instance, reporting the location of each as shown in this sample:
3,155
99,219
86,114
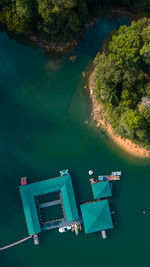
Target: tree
24,8
144,108
14,22
145,53
124,48
130,121
107,94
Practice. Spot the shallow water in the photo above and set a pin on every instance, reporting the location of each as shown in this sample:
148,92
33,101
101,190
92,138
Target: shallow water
44,110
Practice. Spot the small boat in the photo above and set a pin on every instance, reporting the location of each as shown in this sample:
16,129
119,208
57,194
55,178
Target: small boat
76,229
64,229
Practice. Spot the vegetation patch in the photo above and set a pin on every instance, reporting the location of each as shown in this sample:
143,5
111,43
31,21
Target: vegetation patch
122,78
58,25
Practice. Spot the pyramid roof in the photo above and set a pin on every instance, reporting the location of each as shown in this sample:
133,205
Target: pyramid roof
101,189
96,216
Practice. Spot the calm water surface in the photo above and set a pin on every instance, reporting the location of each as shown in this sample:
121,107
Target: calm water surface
43,112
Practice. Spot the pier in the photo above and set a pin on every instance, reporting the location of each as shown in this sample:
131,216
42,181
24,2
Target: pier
59,223
48,204
17,243
114,176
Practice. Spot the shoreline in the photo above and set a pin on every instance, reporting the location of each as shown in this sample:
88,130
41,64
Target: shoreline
97,115
59,49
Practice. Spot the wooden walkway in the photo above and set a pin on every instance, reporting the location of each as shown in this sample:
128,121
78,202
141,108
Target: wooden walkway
16,243
58,224
51,203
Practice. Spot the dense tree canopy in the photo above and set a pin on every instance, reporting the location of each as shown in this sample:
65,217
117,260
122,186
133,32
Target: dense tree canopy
61,20
123,81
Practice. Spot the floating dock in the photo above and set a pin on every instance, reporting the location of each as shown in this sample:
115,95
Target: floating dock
114,176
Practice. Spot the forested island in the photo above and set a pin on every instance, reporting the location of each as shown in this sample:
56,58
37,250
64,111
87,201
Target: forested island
59,24
122,82
121,71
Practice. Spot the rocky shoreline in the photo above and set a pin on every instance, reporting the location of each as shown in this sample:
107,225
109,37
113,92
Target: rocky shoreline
98,115
54,48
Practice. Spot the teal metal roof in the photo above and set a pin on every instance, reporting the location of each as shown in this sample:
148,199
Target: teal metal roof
29,191
101,189
96,216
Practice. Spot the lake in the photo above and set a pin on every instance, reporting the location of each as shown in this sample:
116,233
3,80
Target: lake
45,126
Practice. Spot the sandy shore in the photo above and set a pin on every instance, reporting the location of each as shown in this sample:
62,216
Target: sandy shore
98,116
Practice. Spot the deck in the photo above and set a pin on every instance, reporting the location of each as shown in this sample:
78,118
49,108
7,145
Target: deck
59,223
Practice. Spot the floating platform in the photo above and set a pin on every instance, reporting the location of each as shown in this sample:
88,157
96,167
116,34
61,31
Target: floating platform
109,178
96,215
30,194
114,176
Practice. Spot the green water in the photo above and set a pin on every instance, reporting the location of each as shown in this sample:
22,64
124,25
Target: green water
43,109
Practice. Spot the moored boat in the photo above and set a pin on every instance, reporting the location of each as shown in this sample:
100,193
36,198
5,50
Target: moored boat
76,229
64,229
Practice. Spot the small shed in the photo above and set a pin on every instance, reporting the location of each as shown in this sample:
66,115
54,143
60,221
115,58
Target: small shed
101,189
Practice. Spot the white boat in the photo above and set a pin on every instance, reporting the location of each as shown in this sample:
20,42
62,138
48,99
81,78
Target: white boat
64,229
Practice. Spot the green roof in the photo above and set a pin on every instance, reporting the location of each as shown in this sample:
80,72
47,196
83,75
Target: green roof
29,191
101,189
96,216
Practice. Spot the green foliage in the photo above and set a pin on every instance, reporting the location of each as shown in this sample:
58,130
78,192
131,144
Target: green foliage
145,52
124,48
24,8
57,20
122,77
9,16
64,20
131,120
144,108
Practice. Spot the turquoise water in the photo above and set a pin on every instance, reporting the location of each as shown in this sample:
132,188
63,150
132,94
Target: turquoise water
43,112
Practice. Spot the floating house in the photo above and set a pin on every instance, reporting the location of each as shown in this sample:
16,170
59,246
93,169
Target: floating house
96,216
32,193
101,189
58,191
